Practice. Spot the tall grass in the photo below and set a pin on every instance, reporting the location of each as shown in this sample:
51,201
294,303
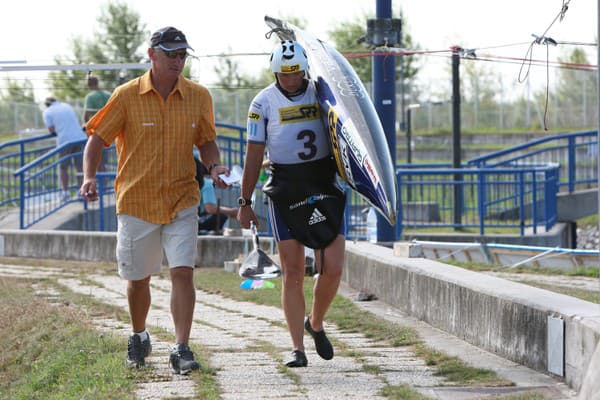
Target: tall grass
49,351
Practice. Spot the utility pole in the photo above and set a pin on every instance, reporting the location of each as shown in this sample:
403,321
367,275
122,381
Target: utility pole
383,31
456,148
598,133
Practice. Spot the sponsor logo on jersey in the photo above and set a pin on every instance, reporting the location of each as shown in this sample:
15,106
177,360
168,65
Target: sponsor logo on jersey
311,200
288,69
252,129
254,116
316,217
303,112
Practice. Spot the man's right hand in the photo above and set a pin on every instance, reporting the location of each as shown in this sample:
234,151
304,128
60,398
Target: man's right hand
245,215
88,190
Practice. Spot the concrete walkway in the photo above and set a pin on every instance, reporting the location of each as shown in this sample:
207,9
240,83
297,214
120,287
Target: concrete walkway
247,344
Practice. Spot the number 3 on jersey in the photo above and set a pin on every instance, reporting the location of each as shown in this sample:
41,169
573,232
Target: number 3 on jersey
308,137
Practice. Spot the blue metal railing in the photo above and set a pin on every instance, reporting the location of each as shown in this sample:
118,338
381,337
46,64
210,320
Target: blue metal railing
13,155
523,198
232,147
40,194
576,153
498,190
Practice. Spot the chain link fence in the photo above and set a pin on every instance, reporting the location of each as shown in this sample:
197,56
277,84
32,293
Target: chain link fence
507,107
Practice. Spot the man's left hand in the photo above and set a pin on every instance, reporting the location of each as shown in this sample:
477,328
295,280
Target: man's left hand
215,172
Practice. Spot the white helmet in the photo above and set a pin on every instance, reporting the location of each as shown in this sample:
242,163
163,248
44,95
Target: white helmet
288,57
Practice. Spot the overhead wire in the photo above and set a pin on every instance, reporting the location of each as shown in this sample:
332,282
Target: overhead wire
543,39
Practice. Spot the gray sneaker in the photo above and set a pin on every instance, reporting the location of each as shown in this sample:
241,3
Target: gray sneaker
182,359
137,351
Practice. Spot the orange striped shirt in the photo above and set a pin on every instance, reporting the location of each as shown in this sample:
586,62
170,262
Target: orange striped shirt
154,142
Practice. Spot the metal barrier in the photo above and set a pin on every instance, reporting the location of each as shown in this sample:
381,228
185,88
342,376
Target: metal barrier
576,153
483,198
39,181
501,195
15,154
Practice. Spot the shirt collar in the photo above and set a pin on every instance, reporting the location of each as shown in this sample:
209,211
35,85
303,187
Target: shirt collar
146,84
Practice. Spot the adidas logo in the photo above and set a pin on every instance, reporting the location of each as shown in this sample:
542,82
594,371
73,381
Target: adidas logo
316,217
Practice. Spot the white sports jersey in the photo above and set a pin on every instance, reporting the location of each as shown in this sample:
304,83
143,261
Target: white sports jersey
292,131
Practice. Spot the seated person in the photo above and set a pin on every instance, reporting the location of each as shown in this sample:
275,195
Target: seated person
208,213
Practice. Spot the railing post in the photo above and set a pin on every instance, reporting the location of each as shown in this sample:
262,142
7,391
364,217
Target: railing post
456,146
399,218
481,207
571,161
22,201
101,202
551,176
534,213
521,204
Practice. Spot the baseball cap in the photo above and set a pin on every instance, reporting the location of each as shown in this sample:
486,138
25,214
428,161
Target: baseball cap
169,39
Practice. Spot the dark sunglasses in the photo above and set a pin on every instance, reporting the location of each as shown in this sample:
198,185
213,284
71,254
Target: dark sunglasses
174,54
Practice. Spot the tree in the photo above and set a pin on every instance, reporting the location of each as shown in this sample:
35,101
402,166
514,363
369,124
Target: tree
479,87
229,76
576,90
17,93
118,40
235,89
17,106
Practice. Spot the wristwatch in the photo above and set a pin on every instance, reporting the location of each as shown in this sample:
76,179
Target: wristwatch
242,201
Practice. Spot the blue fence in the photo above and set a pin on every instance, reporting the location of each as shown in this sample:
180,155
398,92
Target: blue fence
15,154
481,198
576,154
515,188
40,194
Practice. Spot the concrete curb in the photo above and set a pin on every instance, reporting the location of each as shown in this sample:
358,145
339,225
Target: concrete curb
504,317
213,251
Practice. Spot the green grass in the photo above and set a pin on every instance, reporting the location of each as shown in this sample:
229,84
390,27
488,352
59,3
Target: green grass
403,392
590,272
51,352
55,346
463,230
582,294
590,220
453,369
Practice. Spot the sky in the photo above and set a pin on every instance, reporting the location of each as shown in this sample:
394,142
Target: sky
36,31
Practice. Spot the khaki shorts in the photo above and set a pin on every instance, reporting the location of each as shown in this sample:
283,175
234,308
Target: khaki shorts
140,244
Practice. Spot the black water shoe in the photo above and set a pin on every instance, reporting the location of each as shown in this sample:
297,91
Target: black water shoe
298,360
322,344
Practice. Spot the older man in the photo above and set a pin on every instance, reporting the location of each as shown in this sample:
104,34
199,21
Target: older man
155,120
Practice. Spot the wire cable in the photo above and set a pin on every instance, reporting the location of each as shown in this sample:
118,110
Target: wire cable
543,39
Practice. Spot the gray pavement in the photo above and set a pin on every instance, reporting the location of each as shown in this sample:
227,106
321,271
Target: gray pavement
247,344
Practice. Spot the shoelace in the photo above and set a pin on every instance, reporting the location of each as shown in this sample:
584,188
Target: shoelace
185,353
134,349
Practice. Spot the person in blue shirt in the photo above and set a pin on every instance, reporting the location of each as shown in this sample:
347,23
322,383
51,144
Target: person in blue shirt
62,122
211,217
